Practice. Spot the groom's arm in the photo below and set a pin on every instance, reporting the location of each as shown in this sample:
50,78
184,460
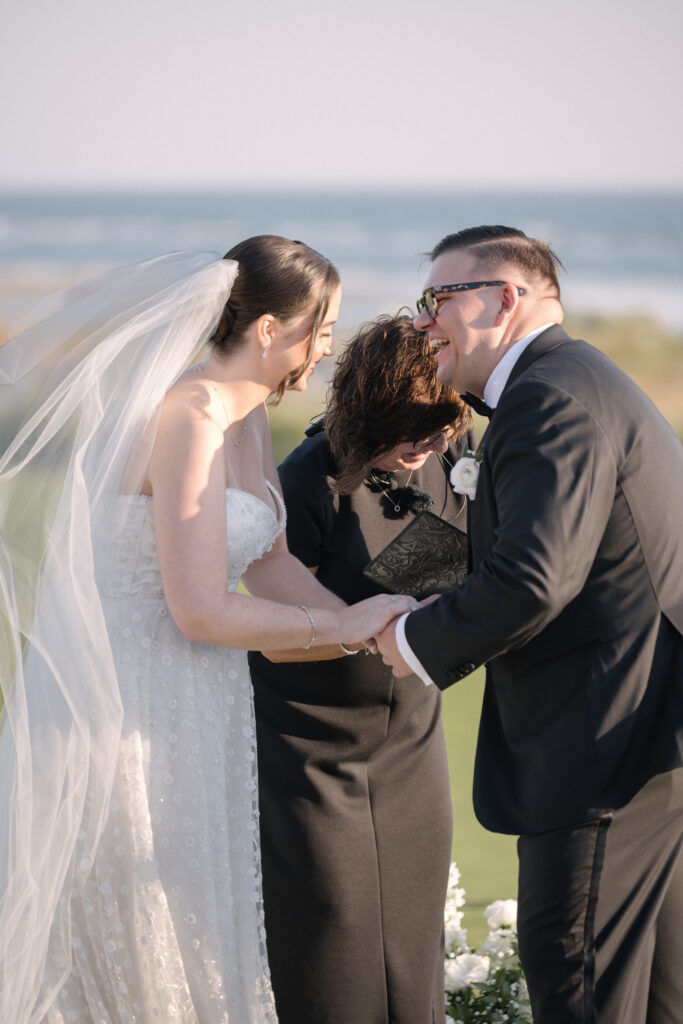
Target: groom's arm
397,653
553,479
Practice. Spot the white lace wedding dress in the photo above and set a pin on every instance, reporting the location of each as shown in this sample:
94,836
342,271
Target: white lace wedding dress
168,926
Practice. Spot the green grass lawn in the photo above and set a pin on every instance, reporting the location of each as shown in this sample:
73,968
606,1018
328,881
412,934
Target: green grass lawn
487,862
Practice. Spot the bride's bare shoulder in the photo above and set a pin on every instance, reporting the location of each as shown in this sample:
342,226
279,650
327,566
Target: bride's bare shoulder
193,399
188,432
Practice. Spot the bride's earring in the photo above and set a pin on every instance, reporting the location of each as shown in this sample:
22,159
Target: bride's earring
265,351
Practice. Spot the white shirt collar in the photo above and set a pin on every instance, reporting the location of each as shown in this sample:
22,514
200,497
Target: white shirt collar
502,370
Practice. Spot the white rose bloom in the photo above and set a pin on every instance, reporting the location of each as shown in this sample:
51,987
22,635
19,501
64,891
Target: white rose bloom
455,898
453,876
498,945
455,940
501,914
464,476
466,969
455,934
452,913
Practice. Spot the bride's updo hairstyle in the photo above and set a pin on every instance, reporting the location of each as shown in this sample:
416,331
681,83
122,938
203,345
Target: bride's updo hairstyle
280,277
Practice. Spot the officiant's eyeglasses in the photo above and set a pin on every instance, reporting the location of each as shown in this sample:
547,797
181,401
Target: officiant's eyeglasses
428,300
440,435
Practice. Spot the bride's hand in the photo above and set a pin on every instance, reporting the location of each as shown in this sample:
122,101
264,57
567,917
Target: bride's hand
367,618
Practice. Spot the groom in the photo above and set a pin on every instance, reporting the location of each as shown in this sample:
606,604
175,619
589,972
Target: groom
575,604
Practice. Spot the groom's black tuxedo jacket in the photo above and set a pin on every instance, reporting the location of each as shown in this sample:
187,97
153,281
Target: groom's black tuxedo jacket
575,601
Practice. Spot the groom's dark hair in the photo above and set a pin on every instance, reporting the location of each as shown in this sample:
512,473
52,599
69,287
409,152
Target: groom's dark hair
494,244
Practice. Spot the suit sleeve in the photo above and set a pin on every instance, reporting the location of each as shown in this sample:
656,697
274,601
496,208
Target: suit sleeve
549,477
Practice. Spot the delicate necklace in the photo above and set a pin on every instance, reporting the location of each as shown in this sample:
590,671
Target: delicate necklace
386,494
399,500
237,444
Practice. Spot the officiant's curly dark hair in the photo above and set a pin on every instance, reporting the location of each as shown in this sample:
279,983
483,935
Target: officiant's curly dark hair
384,391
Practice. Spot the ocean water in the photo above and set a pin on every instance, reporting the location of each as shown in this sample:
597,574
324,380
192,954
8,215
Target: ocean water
623,253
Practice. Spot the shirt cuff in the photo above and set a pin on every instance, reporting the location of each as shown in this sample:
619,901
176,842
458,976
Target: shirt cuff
406,652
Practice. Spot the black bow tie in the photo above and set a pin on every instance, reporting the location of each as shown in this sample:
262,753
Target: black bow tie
478,404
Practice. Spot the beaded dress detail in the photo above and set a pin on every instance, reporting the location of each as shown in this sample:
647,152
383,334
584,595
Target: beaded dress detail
168,925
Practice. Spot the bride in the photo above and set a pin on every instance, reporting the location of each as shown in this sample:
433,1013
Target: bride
134,497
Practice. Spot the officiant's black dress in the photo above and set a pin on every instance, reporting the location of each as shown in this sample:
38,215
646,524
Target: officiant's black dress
355,805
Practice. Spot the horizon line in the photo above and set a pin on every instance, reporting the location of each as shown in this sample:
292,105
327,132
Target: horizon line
319,188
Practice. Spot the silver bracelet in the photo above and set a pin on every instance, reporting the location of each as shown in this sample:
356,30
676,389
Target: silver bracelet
347,650
312,622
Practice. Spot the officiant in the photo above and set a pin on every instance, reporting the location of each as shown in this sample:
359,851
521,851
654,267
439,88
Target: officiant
353,779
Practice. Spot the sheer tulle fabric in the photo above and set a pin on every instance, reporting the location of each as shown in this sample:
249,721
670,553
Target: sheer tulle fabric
86,379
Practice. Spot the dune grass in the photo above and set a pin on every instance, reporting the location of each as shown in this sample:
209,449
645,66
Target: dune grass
646,350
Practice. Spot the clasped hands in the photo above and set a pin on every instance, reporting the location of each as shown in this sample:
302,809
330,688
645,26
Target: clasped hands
384,643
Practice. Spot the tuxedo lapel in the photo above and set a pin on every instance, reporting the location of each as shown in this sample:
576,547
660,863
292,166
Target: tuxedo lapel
545,342
482,518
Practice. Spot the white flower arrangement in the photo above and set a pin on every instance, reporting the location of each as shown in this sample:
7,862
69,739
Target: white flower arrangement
466,969
486,984
465,472
501,914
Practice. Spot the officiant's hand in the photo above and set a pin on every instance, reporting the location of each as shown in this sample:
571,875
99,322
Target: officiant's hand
388,648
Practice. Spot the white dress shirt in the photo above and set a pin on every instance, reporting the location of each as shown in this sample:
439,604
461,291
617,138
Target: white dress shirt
492,392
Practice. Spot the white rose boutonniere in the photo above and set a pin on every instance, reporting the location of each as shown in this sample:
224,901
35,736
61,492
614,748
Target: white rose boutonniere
465,472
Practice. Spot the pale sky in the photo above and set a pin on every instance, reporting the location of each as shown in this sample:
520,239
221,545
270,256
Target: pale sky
359,93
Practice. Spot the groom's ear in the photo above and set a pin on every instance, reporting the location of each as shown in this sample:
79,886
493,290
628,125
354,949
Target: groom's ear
509,300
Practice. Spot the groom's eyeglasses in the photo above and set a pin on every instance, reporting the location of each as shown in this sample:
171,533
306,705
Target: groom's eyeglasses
428,300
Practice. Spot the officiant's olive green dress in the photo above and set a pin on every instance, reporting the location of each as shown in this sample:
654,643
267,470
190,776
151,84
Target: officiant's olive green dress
355,804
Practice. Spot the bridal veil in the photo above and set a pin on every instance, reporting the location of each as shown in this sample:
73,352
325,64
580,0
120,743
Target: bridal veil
85,380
